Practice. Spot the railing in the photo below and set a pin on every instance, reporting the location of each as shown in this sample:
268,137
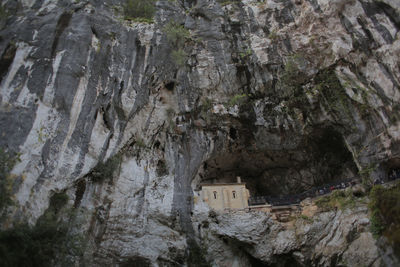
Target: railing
313,192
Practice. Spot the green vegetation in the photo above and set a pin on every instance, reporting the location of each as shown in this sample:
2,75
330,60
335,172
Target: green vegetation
338,199
292,80
334,94
179,57
139,10
7,162
273,35
140,142
306,218
3,13
105,171
197,256
177,35
384,206
237,99
42,135
205,110
41,244
57,201
141,20
365,108
26,246
246,53
292,75
206,105
365,174
225,2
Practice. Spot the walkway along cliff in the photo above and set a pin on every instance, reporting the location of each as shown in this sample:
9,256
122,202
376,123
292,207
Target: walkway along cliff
230,197
113,113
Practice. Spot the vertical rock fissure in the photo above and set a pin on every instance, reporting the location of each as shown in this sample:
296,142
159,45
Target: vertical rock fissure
188,160
62,24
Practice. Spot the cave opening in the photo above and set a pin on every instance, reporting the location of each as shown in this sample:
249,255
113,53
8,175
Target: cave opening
391,169
233,133
321,158
170,86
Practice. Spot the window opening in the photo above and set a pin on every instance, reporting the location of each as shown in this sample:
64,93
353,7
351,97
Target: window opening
234,194
215,194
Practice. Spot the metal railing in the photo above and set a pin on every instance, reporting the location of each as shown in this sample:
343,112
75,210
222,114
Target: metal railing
291,199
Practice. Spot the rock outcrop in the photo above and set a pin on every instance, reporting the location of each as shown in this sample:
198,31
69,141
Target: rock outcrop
286,94
336,238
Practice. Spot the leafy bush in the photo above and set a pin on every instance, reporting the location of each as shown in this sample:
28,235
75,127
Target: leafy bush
104,171
57,201
26,246
237,99
365,174
176,34
385,213
337,199
3,13
179,57
7,162
142,10
246,53
39,245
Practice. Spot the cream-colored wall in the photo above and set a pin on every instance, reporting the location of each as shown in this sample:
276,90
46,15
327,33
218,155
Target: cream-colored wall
225,197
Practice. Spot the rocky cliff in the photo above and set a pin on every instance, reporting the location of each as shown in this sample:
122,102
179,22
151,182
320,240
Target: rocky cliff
126,119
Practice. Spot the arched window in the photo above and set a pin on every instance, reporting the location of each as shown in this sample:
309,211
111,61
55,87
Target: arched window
215,194
234,194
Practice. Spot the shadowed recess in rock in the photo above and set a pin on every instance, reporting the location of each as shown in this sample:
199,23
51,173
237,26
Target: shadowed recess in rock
6,59
62,24
321,158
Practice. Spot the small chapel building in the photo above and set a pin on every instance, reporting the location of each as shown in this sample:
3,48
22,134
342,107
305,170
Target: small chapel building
226,195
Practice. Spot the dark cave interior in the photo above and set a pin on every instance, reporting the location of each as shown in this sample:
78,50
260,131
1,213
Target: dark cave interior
321,158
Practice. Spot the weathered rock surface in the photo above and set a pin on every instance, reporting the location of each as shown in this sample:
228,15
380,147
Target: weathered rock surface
331,238
287,94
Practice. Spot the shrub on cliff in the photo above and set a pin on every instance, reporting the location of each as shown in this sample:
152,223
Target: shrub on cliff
179,57
39,245
106,170
139,10
337,199
226,2
177,35
385,213
7,162
3,13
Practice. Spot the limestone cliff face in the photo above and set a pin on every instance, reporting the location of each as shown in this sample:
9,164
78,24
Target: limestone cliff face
287,94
